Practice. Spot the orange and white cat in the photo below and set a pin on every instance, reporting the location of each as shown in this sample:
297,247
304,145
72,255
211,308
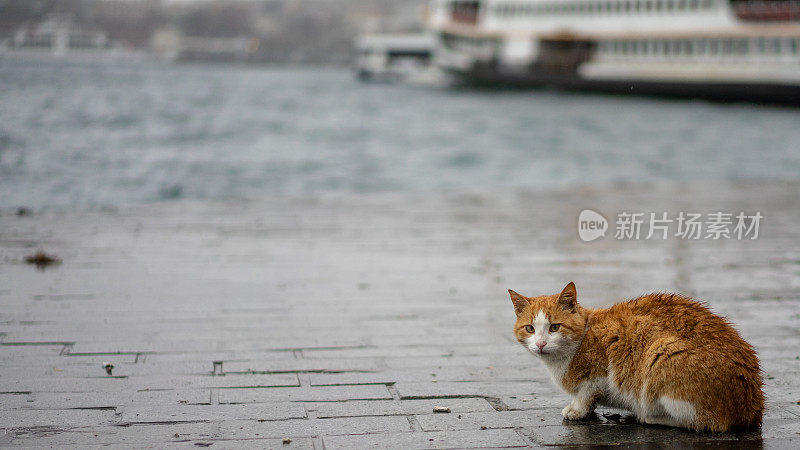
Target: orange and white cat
664,357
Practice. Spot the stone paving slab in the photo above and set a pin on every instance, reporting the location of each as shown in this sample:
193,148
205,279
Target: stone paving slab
342,321
104,400
412,390
55,417
199,432
210,413
137,383
394,407
492,419
436,374
305,394
458,439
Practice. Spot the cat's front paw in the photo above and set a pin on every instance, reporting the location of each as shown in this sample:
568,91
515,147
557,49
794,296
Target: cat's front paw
575,411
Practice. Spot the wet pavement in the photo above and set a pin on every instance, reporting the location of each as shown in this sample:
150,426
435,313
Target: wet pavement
343,321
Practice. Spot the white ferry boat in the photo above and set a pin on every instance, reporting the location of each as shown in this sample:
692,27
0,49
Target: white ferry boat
715,49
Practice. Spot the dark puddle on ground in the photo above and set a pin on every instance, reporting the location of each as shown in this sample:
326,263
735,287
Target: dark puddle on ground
618,431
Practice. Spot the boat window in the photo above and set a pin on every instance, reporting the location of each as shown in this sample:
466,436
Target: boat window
714,46
740,46
727,47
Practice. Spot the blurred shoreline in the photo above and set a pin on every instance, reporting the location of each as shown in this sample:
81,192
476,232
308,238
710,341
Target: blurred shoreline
756,188
230,31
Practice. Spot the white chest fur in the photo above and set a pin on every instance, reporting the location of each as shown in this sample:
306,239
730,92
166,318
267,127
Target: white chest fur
557,366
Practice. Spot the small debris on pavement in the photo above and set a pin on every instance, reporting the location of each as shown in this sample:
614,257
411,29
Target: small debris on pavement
42,260
441,409
109,367
287,441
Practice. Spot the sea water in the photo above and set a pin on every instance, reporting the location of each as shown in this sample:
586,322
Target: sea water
90,136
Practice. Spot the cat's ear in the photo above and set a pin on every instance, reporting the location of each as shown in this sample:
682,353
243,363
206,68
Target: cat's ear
568,298
520,302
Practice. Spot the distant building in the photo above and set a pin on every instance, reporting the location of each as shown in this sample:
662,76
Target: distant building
57,34
171,45
223,49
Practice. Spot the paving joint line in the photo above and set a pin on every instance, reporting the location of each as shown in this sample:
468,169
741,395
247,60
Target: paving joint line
392,390
318,443
414,423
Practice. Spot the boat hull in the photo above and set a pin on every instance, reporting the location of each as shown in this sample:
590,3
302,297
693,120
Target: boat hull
718,91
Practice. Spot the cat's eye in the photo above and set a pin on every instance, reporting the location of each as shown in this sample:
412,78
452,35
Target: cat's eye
529,328
554,327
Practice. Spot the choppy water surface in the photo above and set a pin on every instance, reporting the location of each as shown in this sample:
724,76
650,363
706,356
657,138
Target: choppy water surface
101,135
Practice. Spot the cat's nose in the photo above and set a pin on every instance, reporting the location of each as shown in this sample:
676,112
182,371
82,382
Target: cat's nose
541,344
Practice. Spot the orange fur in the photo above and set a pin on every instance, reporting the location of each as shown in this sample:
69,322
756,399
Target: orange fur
662,349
